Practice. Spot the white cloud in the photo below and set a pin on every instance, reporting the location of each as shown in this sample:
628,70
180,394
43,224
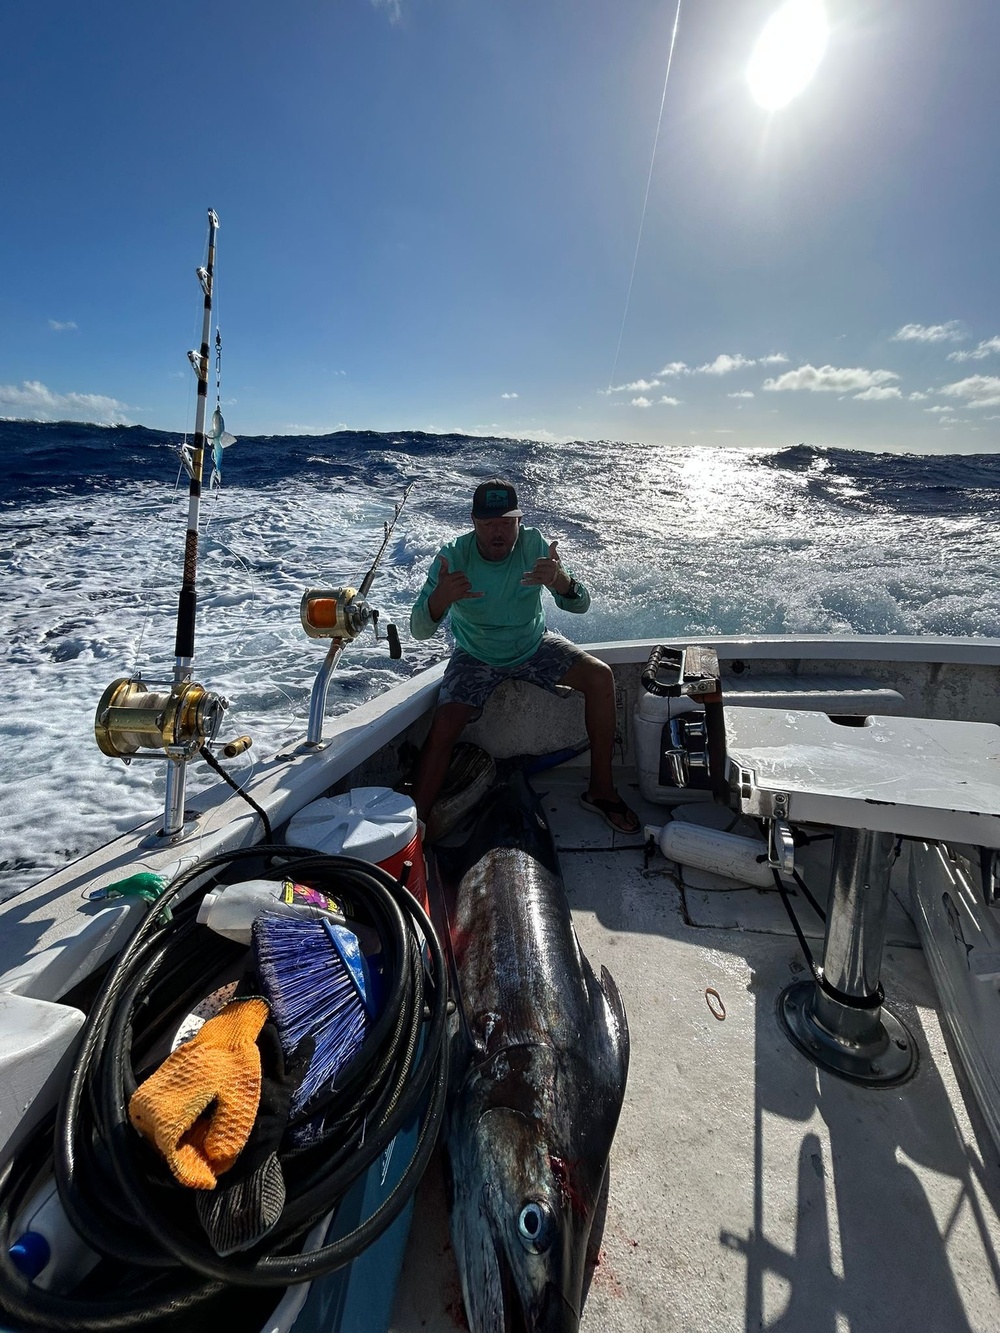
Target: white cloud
642,402
876,393
917,397
37,403
724,363
670,402
392,8
930,333
989,347
632,387
829,379
508,395
743,393
939,409
61,326
977,390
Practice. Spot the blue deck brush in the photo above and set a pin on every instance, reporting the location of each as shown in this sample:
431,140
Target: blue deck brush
317,981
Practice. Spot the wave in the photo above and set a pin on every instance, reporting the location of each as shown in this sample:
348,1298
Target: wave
914,483
672,541
45,458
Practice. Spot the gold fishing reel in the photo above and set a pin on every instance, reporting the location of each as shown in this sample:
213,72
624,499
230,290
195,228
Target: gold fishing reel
139,721
334,613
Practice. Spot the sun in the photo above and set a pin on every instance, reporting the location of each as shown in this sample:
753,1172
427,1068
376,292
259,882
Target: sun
787,53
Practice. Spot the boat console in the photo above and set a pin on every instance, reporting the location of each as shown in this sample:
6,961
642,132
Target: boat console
874,780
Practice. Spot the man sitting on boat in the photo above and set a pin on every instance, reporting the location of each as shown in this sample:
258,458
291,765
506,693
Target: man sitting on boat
490,581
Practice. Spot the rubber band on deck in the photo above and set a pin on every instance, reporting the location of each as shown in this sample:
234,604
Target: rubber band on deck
717,1012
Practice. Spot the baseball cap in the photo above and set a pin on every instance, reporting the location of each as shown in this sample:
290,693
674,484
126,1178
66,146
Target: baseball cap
495,499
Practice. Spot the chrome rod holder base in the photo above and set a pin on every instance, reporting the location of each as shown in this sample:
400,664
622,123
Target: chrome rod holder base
886,1057
841,1024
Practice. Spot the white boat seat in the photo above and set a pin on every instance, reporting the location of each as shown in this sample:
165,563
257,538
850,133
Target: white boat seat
850,696
920,777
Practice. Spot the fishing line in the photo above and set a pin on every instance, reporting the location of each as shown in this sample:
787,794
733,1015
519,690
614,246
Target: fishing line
195,336
148,584
153,581
231,551
645,201
212,297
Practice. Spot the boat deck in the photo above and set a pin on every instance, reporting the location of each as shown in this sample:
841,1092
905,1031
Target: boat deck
749,1189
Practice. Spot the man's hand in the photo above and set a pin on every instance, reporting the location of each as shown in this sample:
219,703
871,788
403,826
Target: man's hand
452,586
547,572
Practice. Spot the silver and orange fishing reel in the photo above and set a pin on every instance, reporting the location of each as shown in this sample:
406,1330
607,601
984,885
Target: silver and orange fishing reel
340,615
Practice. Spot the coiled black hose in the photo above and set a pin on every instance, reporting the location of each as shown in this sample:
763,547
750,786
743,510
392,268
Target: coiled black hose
117,1193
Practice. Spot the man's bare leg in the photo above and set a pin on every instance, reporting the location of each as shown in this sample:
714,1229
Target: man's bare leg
594,679
446,727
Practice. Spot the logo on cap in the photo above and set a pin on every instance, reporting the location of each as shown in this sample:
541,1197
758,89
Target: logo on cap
495,499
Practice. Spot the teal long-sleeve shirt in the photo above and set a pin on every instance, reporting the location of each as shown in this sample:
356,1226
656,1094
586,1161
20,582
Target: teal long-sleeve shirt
505,626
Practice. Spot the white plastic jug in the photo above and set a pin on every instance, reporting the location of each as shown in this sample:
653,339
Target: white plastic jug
231,909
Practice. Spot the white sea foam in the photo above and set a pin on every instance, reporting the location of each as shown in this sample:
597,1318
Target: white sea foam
689,542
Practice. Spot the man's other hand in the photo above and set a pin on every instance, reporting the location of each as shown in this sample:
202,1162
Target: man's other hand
547,571
452,586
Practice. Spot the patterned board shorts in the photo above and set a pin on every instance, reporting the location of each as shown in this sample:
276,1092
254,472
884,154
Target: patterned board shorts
468,681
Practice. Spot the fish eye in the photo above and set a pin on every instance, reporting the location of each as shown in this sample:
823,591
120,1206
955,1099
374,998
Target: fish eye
534,1227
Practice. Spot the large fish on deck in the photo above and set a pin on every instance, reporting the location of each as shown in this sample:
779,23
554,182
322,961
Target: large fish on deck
539,1068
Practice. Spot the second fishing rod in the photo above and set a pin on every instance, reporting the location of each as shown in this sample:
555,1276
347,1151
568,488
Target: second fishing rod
340,615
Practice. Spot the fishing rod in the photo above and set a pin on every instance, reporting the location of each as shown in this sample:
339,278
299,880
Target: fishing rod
369,578
136,720
340,614
188,601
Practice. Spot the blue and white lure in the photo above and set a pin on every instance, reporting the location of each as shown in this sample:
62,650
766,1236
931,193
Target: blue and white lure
218,436
220,439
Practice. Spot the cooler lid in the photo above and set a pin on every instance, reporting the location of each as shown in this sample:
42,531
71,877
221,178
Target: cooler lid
371,823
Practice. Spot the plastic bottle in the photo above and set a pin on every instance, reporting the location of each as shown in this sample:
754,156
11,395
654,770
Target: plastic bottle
45,1249
231,909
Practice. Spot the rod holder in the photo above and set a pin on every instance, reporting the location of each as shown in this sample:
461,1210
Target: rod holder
840,1022
320,689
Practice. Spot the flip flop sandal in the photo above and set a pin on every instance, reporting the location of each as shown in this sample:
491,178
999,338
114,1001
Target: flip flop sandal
608,808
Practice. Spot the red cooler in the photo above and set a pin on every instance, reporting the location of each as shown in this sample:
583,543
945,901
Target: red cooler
374,824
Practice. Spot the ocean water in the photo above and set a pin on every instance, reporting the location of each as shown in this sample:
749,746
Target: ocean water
670,541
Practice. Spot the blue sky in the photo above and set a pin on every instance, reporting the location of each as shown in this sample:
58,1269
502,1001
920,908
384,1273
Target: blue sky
430,210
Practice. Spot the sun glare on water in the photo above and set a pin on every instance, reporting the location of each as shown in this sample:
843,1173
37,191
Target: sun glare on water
788,53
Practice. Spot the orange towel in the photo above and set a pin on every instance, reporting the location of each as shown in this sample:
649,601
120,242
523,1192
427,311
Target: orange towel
199,1107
